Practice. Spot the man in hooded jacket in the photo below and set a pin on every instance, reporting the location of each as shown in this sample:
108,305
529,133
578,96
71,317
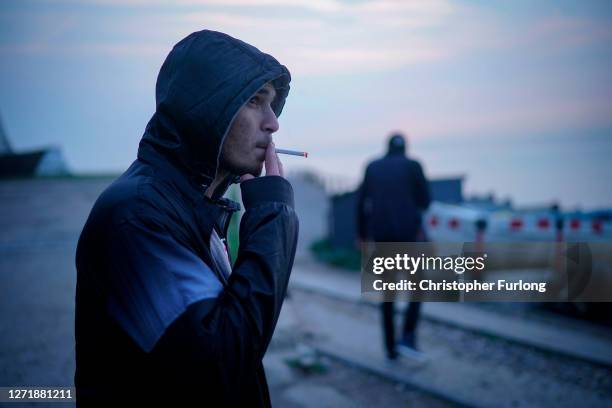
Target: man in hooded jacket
161,315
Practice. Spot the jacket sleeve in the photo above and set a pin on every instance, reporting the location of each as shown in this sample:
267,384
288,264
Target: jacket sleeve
360,210
221,342
423,196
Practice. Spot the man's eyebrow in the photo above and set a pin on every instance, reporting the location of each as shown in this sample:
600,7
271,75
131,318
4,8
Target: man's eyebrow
265,91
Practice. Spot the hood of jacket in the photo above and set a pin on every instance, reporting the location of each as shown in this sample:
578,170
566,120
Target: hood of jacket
204,81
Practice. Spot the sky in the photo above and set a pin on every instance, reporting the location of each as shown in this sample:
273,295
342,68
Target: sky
514,96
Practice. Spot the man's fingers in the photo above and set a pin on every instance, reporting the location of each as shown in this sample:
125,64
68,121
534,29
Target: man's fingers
281,170
274,167
272,161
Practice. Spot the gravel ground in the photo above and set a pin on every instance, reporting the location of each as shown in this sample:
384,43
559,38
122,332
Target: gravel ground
545,375
353,387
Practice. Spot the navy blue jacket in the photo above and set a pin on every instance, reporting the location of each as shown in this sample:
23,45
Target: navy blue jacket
160,313
393,195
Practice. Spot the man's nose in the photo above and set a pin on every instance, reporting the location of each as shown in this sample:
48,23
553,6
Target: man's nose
270,123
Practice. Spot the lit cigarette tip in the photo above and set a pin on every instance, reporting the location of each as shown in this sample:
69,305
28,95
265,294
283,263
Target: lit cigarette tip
291,152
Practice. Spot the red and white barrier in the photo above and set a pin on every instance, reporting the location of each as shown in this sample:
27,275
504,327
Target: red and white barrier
453,223
584,230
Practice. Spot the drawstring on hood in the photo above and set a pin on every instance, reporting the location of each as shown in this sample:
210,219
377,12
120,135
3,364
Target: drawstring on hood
204,81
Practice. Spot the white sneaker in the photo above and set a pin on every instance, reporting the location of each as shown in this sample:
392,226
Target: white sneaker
410,353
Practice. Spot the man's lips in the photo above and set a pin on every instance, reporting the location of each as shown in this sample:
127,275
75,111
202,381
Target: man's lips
263,151
264,142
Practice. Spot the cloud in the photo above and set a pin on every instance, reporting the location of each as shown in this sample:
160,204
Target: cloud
334,35
562,32
313,61
541,114
362,37
418,7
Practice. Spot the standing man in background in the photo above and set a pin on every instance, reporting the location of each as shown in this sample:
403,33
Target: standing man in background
390,203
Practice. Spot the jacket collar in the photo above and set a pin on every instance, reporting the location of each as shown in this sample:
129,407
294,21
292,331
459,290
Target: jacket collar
191,185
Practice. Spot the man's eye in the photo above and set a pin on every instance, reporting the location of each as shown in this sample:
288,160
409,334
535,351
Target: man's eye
254,100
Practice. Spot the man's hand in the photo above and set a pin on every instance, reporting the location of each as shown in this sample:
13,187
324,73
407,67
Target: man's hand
274,167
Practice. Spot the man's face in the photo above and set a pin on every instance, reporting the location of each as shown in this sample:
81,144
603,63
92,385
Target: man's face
250,134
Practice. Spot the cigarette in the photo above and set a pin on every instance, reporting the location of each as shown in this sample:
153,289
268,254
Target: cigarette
292,152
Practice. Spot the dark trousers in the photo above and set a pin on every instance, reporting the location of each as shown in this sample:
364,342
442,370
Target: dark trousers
411,318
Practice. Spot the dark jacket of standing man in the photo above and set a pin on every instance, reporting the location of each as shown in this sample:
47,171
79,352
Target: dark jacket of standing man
161,315
392,197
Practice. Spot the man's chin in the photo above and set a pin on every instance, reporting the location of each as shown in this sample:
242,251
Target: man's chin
258,172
